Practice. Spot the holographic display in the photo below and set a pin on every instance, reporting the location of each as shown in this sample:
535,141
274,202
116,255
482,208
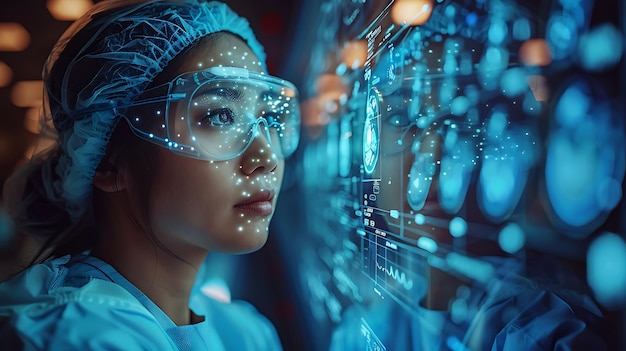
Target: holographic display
455,152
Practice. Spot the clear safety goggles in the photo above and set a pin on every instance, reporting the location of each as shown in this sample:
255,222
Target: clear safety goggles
216,113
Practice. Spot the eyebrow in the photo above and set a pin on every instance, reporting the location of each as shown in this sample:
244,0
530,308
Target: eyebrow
235,94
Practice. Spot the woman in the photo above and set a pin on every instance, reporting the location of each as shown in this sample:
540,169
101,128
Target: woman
171,144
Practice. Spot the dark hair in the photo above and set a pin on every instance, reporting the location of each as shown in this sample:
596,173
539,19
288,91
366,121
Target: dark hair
124,150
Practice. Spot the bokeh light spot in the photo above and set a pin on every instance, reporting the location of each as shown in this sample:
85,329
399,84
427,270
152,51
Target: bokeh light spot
511,238
606,269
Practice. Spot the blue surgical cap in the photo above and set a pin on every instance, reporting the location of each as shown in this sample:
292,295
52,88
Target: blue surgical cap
127,43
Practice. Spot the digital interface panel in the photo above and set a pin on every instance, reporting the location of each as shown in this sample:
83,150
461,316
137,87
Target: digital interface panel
463,166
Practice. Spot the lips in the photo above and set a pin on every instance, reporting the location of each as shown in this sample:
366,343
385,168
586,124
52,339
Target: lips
260,203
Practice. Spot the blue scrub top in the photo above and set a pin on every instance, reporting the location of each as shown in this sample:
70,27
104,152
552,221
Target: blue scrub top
83,303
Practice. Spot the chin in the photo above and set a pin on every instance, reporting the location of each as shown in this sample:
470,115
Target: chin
249,243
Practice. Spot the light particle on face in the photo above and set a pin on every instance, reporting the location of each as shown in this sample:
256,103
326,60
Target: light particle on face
240,228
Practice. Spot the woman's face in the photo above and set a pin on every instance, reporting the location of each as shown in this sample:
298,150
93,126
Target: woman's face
221,206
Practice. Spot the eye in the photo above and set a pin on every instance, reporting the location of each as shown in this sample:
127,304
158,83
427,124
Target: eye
398,120
218,118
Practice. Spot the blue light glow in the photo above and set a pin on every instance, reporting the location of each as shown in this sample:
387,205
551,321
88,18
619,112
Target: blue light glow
601,48
513,82
521,29
561,35
420,219
459,105
421,177
498,177
573,106
457,165
458,227
427,244
511,238
587,141
497,32
606,269
471,19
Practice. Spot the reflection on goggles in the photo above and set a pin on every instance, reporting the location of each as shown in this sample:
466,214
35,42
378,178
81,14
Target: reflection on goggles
215,114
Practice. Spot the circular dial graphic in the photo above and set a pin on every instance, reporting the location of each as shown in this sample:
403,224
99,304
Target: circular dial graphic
371,141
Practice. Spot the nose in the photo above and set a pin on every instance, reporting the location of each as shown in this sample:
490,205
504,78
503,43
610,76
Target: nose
259,157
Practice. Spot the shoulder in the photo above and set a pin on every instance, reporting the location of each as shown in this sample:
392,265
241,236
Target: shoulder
37,312
238,323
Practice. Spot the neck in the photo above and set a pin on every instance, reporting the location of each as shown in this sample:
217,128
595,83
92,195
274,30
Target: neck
162,276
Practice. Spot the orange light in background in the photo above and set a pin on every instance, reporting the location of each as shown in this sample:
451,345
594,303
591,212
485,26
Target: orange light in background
330,86
354,53
312,115
539,86
27,93
13,37
321,109
68,10
288,92
535,52
411,12
6,75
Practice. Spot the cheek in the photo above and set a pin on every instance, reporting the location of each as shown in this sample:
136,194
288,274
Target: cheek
190,191
193,202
